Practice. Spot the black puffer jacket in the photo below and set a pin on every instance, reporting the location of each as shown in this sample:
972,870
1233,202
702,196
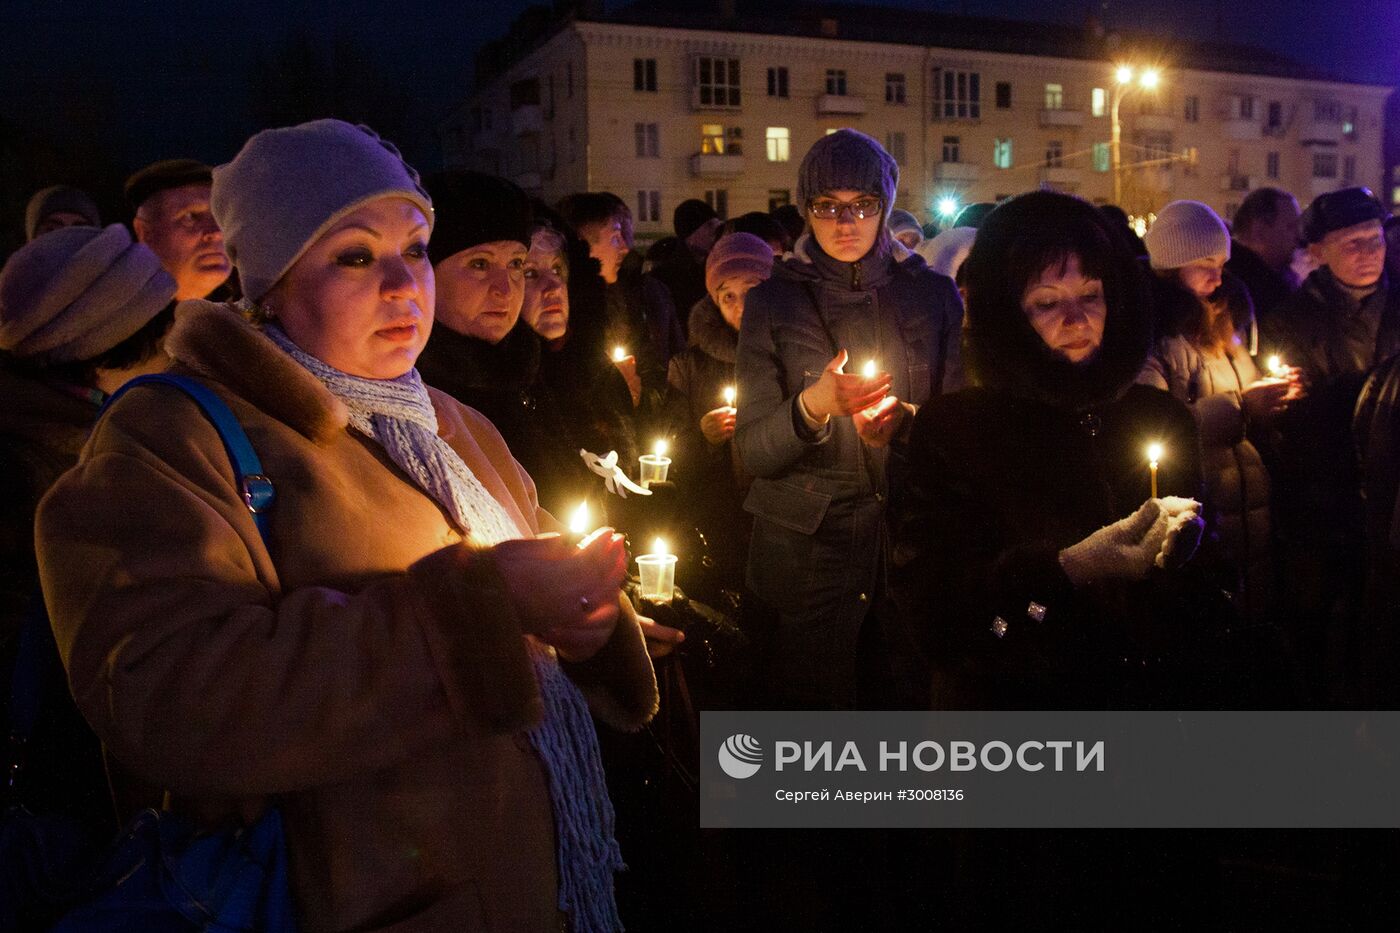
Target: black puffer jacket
1003,476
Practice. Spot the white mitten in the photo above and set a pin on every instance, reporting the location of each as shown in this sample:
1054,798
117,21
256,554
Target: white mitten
1124,550
1184,529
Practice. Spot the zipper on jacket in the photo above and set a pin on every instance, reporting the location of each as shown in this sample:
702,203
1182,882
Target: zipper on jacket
855,274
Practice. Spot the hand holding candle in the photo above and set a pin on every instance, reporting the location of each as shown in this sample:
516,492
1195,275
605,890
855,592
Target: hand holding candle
729,395
840,393
626,364
655,465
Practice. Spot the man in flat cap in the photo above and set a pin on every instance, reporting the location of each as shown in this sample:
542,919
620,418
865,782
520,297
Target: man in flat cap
56,207
171,203
1336,328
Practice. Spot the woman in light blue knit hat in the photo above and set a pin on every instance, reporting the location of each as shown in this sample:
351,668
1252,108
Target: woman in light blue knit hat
404,666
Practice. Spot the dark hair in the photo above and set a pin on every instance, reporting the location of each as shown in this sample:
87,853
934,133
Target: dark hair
588,208
1260,206
1206,322
133,351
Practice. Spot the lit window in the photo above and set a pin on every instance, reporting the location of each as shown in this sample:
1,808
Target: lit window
1099,101
1102,159
1054,96
712,139
1001,153
779,142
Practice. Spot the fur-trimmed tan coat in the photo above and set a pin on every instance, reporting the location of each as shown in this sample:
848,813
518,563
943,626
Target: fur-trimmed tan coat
366,674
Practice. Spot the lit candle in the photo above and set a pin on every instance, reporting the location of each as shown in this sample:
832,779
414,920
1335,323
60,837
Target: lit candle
658,573
729,395
869,370
578,521
619,353
1276,367
1154,454
654,465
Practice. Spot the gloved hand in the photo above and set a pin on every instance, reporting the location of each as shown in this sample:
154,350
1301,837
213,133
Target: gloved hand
1184,529
1160,531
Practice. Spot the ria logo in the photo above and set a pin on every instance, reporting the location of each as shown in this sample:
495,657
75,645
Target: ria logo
740,756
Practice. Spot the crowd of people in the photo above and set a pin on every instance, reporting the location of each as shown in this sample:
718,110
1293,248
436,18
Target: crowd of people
1029,461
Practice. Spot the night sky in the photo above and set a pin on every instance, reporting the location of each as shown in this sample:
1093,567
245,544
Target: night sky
100,88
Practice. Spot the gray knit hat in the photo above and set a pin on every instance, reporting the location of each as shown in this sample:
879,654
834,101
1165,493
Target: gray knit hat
58,199
75,293
288,186
847,160
1183,232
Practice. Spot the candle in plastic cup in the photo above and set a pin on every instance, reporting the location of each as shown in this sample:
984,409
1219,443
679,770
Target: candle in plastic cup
658,573
729,396
654,465
619,353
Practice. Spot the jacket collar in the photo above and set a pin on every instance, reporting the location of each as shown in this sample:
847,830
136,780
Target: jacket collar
218,342
710,332
810,262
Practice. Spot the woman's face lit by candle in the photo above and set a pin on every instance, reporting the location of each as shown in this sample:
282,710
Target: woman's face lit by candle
361,297
481,289
546,307
1067,309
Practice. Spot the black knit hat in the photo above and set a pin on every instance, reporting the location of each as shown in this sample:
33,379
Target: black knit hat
474,208
1338,210
847,160
690,216
164,175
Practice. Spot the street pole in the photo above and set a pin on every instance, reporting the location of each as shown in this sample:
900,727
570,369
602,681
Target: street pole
1114,150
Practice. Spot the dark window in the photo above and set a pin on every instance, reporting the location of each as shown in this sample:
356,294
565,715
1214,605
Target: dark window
778,82
1003,95
644,74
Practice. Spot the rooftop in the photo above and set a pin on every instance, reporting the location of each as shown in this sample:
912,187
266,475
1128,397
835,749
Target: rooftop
874,23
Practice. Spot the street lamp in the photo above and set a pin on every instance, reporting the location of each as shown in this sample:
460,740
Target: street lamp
1148,80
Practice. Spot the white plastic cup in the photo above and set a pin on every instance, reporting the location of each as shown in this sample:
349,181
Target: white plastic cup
658,573
653,470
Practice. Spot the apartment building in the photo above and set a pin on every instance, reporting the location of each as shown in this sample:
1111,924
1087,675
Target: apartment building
665,101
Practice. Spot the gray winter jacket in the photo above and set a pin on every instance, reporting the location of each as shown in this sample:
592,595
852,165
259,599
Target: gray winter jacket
818,498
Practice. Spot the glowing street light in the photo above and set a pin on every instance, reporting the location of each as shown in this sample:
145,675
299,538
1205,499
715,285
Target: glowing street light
1149,79
947,207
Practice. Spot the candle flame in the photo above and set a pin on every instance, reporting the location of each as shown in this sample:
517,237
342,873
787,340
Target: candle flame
619,353
1154,453
578,521
659,546
729,396
659,448
869,370
1276,367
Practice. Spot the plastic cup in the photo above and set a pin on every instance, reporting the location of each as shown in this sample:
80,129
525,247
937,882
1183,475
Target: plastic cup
658,573
653,470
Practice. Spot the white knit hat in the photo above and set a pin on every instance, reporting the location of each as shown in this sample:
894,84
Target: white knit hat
1183,232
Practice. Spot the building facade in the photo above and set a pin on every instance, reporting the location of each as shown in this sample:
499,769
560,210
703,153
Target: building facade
659,114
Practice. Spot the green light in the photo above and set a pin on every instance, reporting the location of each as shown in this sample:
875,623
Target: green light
947,207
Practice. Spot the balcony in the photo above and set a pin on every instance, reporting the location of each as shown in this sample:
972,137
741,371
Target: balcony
1061,117
706,165
1240,128
840,104
957,171
528,118
1318,131
1154,123
1060,177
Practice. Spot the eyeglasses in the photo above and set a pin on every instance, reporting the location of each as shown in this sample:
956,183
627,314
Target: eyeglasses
831,209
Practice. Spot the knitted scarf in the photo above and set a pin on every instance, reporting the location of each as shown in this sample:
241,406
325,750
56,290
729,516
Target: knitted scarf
398,414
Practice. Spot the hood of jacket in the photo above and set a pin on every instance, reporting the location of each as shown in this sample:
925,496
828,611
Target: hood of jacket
1003,351
810,263
711,333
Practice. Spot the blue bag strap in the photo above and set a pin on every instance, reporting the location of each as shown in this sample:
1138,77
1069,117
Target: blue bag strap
36,648
257,489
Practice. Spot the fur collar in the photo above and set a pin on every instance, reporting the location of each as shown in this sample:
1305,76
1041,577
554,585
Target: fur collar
710,332
217,342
